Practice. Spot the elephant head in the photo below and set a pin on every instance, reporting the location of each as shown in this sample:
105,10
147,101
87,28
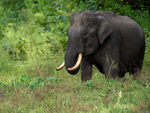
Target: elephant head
87,31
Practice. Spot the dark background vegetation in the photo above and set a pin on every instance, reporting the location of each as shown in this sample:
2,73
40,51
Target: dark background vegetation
33,41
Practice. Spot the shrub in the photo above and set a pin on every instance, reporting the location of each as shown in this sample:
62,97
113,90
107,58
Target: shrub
28,40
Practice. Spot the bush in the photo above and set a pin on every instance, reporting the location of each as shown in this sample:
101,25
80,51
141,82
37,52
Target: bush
28,40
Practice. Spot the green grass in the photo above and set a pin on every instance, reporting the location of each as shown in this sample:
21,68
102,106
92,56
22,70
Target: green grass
36,87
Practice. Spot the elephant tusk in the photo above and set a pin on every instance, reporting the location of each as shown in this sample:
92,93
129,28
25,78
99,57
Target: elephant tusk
61,66
77,64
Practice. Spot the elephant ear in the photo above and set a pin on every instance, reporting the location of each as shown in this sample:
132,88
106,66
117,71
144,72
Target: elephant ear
104,29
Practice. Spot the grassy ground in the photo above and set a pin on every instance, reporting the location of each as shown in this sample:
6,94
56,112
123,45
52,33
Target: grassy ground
36,87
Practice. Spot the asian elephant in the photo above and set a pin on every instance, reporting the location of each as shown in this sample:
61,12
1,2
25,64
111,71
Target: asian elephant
114,44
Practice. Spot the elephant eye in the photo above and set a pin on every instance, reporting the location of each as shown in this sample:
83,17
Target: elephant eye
85,34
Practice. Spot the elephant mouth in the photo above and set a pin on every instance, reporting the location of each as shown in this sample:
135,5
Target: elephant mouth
77,63
74,67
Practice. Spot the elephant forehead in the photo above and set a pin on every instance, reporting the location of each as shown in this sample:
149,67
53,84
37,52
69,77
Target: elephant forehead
76,29
76,19
83,19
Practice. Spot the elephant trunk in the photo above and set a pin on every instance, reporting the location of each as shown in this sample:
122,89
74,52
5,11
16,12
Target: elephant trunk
72,61
73,55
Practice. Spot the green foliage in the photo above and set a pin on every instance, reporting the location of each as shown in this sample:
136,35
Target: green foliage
23,21
29,40
139,4
116,5
11,7
147,52
55,20
27,81
48,22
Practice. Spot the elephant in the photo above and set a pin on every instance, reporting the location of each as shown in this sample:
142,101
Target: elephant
114,44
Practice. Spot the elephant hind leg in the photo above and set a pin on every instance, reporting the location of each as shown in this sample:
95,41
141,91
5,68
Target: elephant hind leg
137,65
141,57
136,72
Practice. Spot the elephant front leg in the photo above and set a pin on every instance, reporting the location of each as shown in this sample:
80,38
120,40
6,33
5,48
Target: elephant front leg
86,70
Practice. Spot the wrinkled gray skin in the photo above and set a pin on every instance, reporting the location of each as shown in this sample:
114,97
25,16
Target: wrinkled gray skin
104,39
